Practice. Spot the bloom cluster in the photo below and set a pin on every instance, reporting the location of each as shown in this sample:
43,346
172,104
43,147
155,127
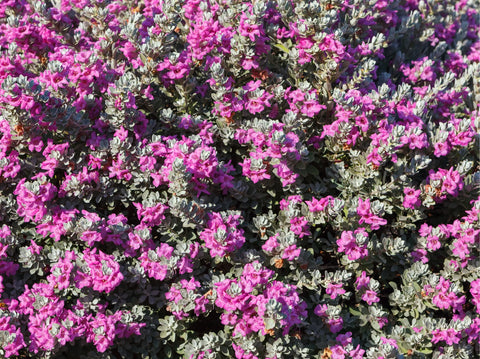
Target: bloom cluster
249,312
221,236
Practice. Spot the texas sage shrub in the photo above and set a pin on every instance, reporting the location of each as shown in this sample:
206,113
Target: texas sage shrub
219,179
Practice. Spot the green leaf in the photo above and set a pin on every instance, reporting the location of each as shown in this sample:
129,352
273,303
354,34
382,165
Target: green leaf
425,351
269,323
281,47
415,313
164,334
271,192
402,347
375,325
354,312
417,287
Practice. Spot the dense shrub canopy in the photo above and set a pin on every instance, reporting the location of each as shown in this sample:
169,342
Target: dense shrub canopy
220,179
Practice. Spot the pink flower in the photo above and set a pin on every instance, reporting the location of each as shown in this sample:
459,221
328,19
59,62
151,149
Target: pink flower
253,275
151,216
318,205
118,170
174,294
257,174
229,319
335,289
286,175
338,352
452,182
374,221
362,281
254,105
357,353
441,300
299,226
441,149
91,237
363,208
370,297
417,141
185,265
247,29
411,199
390,341
103,273
347,243
201,305
129,51
475,291
433,243
374,158
271,244
121,134
221,235
13,347
450,336
425,230
311,107
443,285
382,321
229,302
291,252
60,272
249,63
151,261
252,85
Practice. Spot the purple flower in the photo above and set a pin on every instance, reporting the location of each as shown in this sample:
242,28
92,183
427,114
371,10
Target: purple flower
321,310
335,324
344,339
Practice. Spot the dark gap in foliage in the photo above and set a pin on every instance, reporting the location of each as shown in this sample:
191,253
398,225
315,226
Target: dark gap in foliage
210,323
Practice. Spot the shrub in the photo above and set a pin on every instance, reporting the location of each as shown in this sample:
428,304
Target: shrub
218,179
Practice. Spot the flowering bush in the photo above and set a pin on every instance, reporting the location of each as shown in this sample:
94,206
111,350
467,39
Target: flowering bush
219,179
